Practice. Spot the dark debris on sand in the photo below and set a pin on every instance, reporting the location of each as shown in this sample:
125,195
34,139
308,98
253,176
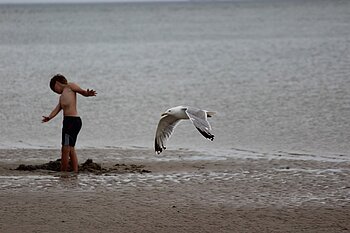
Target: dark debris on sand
88,166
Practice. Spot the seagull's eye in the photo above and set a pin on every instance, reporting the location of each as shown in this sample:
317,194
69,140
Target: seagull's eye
169,110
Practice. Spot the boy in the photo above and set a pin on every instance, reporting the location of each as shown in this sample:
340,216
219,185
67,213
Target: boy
71,120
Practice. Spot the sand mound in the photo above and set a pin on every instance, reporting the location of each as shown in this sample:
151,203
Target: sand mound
88,166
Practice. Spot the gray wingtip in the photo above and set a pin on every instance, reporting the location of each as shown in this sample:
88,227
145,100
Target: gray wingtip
158,149
207,135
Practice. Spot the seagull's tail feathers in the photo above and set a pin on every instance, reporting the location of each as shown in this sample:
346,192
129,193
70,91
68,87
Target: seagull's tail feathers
210,114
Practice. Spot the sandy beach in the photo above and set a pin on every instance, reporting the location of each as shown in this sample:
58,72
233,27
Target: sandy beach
181,193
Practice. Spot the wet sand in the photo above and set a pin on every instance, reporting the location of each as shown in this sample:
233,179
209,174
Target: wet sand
179,195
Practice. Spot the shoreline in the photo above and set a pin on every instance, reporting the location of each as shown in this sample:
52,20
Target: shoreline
144,153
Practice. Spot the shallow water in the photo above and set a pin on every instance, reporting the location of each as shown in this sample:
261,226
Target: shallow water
325,187
277,73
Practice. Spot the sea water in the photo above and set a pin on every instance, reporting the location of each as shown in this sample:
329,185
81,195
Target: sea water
276,72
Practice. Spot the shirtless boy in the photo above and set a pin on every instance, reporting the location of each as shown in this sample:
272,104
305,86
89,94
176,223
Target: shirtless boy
71,120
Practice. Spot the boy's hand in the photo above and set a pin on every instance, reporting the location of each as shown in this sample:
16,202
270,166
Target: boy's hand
45,119
90,92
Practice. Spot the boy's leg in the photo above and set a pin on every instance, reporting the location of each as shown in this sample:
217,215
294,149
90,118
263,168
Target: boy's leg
65,158
74,159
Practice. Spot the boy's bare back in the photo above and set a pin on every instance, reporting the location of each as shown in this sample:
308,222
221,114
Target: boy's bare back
68,100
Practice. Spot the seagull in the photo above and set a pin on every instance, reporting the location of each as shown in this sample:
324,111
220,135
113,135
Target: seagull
172,117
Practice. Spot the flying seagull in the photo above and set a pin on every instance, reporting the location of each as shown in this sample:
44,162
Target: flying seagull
172,117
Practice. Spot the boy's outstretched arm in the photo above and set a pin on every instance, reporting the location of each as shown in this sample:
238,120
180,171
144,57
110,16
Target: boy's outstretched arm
54,112
81,91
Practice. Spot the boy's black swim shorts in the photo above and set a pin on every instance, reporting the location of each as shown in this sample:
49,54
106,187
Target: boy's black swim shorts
70,130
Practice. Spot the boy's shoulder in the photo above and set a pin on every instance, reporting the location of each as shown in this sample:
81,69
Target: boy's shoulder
73,86
76,88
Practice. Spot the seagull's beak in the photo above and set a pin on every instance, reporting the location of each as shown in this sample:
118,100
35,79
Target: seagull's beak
164,114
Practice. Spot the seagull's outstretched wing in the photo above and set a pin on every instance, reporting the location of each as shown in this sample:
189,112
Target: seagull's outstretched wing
200,121
165,128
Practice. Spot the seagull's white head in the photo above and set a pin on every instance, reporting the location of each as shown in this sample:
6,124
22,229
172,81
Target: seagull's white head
178,111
